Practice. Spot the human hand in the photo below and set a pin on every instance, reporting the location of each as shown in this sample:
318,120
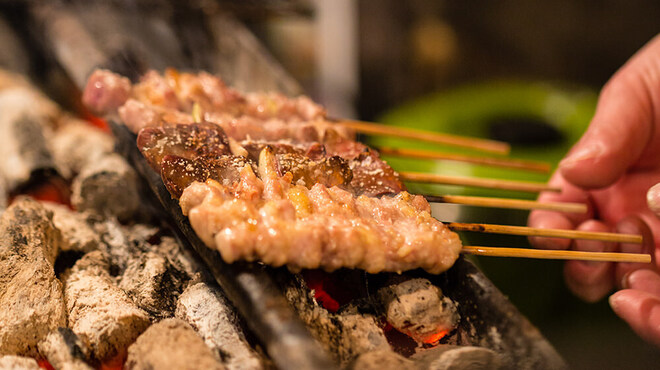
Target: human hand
611,169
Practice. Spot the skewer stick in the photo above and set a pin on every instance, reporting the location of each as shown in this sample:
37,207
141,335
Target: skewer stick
512,163
551,233
558,255
484,145
507,203
432,178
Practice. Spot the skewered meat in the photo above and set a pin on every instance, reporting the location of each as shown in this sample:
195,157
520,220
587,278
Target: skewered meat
269,178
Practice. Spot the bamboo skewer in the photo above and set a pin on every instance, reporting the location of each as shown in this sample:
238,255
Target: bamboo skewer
432,178
551,233
507,203
512,163
554,254
485,145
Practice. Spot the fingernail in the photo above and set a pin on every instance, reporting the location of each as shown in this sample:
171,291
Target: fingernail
587,152
613,301
625,284
653,199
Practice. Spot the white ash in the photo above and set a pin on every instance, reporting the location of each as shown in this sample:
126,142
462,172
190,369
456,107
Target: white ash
108,186
64,350
418,308
76,144
205,308
31,300
24,149
77,233
170,344
10,362
122,243
100,313
360,333
153,283
383,360
449,357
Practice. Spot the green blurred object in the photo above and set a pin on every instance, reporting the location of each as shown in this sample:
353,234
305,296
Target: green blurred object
476,110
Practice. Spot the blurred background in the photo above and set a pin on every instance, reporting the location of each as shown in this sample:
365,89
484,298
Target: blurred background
523,71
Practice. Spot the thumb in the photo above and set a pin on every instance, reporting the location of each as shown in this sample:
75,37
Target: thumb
622,126
653,199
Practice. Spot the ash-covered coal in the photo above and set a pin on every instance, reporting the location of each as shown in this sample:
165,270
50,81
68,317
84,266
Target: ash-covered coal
64,350
11,362
100,313
31,299
206,309
171,344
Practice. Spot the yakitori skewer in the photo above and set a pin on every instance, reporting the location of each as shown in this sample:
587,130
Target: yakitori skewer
511,163
484,145
507,203
555,254
432,178
551,233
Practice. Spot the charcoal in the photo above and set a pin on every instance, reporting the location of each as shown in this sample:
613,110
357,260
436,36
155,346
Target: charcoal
382,360
24,150
360,334
77,144
31,300
458,358
18,363
170,344
77,233
100,313
3,195
205,308
108,187
153,283
184,260
417,308
64,350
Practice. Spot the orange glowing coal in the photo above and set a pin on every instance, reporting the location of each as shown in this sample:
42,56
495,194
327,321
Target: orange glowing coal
435,338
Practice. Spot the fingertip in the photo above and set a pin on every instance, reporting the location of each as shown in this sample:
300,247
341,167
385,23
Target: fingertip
653,199
641,310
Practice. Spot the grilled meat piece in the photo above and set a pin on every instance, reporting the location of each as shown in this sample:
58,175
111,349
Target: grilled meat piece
187,141
179,172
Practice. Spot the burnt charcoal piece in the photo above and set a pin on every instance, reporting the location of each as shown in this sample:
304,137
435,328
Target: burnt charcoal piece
100,313
384,360
187,141
360,333
205,308
31,302
153,284
458,357
107,187
64,350
179,172
417,308
18,363
77,144
170,344
77,233
24,149
3,195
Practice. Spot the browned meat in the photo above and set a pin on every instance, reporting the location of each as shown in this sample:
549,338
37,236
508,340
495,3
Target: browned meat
106,91
187,141
268,219
178,172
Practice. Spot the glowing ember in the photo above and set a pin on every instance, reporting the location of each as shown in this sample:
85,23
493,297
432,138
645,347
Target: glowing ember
44,364
435,338
54,189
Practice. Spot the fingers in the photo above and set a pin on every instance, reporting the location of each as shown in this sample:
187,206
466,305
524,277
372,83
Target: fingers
556,220
653,199
643,280
633,225
622,128
641,310
590,281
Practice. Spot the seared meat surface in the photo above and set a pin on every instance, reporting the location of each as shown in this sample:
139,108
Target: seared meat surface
264,177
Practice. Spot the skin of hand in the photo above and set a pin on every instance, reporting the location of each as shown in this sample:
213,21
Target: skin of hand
613,168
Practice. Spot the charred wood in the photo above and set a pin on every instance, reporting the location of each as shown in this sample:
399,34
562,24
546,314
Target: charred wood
77,233
10,362
64,350
206,309
458,358
170,344
383,360
100,313
31,301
